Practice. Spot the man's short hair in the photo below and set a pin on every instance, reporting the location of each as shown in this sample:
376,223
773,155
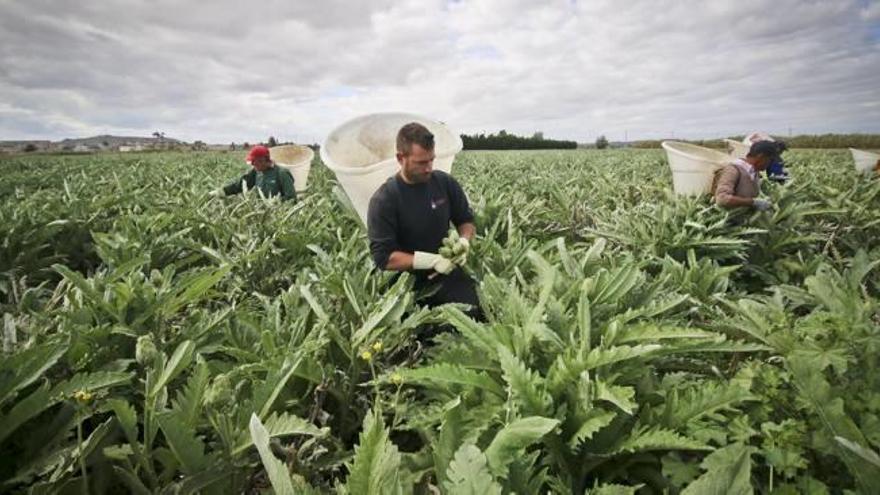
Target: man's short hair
765,148
414,133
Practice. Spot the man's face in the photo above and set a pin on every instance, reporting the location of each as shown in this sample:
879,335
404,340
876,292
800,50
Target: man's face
762,162
262,163
416,166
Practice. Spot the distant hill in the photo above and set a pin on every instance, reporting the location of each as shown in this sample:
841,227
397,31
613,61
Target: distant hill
106,140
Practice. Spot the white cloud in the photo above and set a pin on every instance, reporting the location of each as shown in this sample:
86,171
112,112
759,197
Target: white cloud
228,71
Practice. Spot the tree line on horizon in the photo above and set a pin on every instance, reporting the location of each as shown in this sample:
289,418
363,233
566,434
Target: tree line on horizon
504,140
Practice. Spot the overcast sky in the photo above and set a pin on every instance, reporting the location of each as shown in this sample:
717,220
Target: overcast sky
241,71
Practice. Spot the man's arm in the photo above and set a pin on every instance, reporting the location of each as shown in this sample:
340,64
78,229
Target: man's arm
399,261
288,191
467,230
725,189
382,232
234,187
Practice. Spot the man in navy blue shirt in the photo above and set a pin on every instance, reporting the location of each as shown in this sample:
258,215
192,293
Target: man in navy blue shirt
410,215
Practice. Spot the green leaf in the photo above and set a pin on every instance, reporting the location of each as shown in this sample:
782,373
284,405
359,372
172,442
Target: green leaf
584,319
392,299
445,445
728,472
26,366
376,466
683,406
515,437
621,397
132,482
604,356
194,287
597,419
276,470
283,424
646,439
24,410
271,387
187,448
188,403
468,474
179,360
525,385
865,453
652,333
90,382
613,489
476,333
453,374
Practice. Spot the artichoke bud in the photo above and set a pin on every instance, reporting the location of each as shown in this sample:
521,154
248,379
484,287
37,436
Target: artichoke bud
145,351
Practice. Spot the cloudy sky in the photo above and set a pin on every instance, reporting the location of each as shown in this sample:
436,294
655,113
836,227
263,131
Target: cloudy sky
237,71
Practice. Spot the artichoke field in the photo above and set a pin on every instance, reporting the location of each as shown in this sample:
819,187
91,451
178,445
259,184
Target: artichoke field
159,340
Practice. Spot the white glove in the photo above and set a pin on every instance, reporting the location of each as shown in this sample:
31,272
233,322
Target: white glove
762,204
217,193
432,261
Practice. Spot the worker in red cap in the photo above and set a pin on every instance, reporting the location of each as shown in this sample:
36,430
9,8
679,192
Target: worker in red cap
269,178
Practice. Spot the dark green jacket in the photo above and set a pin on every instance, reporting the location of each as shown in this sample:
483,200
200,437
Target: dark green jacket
277,180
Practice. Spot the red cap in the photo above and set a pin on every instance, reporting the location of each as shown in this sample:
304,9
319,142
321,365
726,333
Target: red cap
258,151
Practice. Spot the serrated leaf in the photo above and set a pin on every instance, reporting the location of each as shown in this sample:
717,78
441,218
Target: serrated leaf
683,406
729,471
443,448
283,424
376,466
515,437
596,420
468,474
188,403
604,356
621,397
524,384
654,438
453,374
653,333
187,448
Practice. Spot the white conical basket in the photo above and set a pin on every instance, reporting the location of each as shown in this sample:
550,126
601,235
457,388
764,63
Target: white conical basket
737,149
297,159
866,161
363,152
693,167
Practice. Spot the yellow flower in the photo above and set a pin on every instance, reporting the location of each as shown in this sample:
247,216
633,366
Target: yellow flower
82,396
377,346
396,379
367,356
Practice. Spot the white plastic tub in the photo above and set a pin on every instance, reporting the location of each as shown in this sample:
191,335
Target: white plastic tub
297,159
866,161
363,152
736,148
693,167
